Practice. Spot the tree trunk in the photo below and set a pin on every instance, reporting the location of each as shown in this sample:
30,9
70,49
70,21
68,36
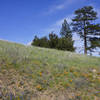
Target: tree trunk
85,40
85,44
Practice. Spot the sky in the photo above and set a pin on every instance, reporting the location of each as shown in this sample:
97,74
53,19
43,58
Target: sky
21,20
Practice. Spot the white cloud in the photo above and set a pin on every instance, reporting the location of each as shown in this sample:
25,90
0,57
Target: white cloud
59,22
57,25
58,7
98,11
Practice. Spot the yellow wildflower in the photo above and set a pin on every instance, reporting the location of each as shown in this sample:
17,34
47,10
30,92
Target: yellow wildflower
65,72
39,87
40,73
70,80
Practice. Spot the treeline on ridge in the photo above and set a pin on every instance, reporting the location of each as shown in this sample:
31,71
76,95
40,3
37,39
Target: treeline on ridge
62,42
53,41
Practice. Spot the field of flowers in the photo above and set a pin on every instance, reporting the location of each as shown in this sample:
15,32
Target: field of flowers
33,73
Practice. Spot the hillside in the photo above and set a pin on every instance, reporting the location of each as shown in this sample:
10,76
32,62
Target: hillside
33,73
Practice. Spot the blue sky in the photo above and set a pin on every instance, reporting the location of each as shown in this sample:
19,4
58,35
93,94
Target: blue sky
20,20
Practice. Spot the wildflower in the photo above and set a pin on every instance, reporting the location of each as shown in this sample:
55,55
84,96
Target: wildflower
70,80
40,73
65,72
39,87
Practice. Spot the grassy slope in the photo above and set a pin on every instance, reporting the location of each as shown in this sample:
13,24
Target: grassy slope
29,72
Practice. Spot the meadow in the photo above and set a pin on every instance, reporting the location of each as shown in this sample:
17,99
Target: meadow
34,73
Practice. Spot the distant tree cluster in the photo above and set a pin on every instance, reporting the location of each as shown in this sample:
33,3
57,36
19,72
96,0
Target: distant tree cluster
83,24
64,42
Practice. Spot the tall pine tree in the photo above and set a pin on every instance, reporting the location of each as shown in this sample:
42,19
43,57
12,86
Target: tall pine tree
66,42
65,30
83,24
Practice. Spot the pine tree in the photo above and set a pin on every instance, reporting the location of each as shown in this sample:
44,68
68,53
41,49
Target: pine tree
66,42
41,42
95,39
83,24
53,40
65,30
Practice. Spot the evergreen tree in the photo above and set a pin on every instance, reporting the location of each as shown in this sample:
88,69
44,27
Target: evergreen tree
53,40
44,42
83,24
35,41
65,30
66,42
41,42
95,39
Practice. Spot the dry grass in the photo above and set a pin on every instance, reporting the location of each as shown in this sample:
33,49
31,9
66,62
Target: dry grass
32,73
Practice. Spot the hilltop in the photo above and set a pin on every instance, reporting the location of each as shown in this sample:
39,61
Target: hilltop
34,73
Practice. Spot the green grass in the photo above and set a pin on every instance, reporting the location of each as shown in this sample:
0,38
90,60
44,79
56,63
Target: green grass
28,72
